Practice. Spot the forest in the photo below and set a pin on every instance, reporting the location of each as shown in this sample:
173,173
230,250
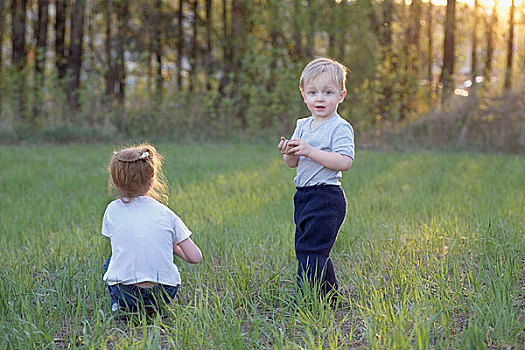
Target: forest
431,73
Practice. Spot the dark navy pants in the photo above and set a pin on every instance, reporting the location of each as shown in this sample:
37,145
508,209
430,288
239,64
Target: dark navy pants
131,298
319,213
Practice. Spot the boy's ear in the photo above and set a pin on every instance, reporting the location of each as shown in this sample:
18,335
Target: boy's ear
304,97
343,94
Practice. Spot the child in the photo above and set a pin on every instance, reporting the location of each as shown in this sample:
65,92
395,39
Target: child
322,146
144,233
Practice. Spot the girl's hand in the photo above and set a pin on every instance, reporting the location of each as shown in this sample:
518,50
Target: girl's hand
188,251
299,147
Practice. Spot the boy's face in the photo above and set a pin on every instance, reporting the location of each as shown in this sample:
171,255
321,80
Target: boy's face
322,96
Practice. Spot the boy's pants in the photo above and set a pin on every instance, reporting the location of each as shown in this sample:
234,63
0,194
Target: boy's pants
319,213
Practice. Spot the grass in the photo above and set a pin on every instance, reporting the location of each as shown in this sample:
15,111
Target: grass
432,254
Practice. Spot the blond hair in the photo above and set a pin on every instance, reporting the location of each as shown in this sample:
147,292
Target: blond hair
320,65
137,171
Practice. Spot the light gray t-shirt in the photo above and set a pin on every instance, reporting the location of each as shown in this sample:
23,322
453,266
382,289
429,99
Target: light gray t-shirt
142,234
334,135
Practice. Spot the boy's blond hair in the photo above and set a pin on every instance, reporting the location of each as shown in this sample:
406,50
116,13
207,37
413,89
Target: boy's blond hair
321,65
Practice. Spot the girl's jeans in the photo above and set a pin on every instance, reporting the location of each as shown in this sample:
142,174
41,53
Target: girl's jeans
132,298
319,212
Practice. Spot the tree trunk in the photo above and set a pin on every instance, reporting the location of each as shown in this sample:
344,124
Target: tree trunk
180,43
409,75
41,39
60,38
209,52
415,30
449,48
341,41
157,49
333,28
430,54
310,27
489,34
474,54
2,15
90,40
226,49
239,23
193,51
18,47
150,74
384,31
75,53
109,75
473,103
18,27
275,45
40,54
123,34
297,35
510,43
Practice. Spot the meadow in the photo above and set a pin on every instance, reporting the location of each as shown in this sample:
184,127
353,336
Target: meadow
431,255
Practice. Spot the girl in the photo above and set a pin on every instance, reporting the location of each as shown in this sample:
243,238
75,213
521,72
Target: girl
144,233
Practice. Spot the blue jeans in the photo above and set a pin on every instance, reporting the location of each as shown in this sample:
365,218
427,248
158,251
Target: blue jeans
131,297
319,212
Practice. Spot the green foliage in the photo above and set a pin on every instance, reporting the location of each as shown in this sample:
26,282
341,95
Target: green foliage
485,123
430,256
250,93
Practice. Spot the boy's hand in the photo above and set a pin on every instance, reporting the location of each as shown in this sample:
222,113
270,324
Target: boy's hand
284,146
299,147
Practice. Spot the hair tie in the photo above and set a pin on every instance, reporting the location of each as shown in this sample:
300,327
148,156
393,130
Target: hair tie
144,155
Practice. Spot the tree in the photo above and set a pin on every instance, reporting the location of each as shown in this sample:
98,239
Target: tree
74,66
227,50
157,47
18,57
385,36
474,50
240,19
40,54
311,26
413,34
41,40
209,53
109,75
2,15
60,38
449,48
409,73
510,49
180,43
474,57
430,54
122,39
489,34
193,47
296,29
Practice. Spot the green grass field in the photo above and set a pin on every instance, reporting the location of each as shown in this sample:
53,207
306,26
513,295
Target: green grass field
431,255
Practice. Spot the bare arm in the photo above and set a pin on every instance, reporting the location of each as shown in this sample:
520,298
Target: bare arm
331,160
291,160
188,251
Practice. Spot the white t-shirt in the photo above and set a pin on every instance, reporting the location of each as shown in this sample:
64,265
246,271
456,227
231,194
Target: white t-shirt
142,234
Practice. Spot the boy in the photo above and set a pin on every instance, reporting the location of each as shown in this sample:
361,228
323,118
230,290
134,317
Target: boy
322,146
